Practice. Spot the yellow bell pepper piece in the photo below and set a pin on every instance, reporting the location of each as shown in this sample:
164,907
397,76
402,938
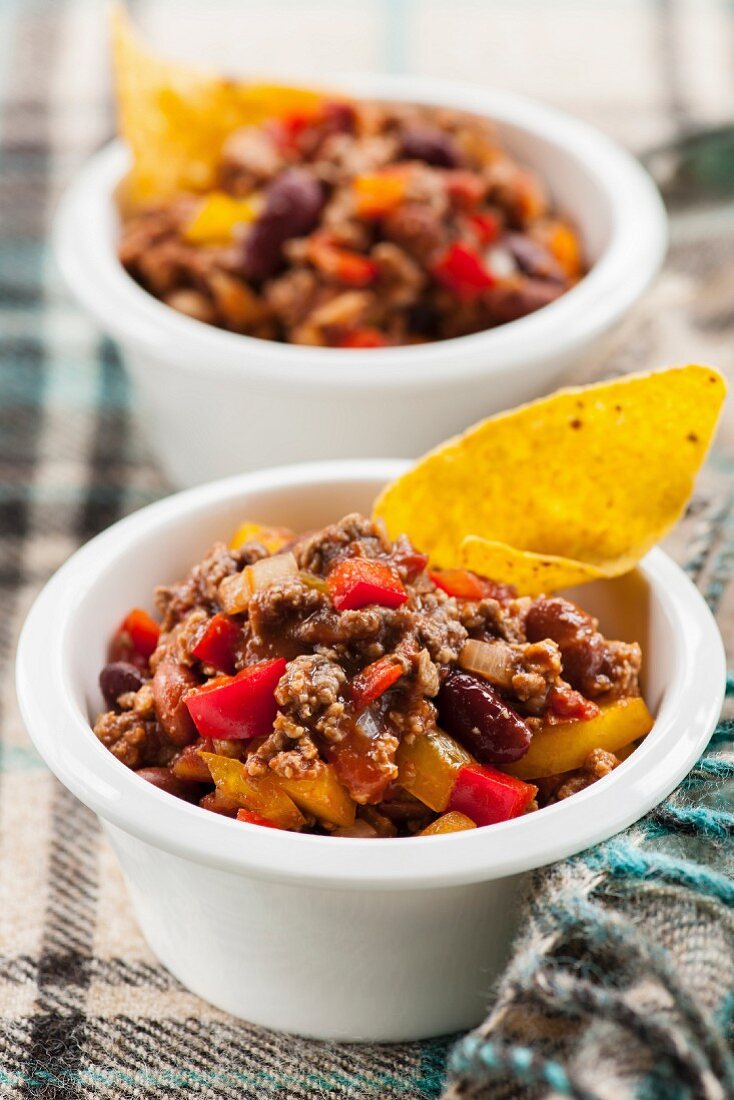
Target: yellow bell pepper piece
453,822
427,767
272,538
564,747
263,794
216,217
323,796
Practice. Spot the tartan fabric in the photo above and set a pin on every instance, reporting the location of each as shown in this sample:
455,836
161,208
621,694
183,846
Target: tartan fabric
85,1010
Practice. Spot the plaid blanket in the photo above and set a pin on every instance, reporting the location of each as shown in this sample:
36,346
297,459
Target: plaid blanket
621,983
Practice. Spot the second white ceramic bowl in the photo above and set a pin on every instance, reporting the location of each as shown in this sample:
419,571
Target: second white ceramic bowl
219,403
335,938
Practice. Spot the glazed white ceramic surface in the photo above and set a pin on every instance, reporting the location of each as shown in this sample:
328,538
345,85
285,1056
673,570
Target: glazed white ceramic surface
334,937
219,403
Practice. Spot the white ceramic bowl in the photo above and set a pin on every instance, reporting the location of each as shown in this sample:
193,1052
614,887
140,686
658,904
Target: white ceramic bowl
249,403
331,937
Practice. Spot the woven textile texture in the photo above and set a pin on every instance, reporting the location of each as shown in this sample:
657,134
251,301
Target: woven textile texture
622,982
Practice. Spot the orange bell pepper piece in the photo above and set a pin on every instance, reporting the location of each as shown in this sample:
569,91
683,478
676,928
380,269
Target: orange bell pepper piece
376,195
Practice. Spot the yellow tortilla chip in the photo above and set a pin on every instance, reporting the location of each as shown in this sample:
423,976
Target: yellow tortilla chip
176,117
577,485
530,573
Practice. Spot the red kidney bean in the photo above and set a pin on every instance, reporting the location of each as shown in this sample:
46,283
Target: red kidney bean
171,682
165,780
510,302
479,718
583,648
432,146
292,207
117,678
532,258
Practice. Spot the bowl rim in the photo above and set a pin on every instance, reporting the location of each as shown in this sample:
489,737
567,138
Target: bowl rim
82,247
61,733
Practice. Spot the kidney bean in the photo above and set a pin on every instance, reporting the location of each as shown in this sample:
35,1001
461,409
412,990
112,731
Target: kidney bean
583,648
292,207
532,258
171,683
429,145
558,619
473,712
117,678
511,302
165,780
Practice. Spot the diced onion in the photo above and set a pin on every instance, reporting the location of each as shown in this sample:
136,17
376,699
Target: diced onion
236,591
492,660
271,570
500,262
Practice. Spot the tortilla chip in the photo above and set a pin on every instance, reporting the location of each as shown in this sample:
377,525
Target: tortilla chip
530,573
176,117
578,485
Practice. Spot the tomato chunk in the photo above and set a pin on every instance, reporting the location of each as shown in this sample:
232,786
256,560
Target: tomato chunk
356,582
358,762
374,680
216,645
238,707
462,271
257,819
488,796
135,639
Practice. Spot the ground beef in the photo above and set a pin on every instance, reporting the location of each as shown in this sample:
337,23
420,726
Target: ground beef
311,692
598,763
386,275
537,668
135,740
353,536
200,589
551,660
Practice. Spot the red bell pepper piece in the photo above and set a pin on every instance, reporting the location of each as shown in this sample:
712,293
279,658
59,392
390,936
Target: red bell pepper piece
465,585
363,338
462,271
236,708
256,819
486,227
356,582
488,796
135,639
341,264
374,680
216,645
